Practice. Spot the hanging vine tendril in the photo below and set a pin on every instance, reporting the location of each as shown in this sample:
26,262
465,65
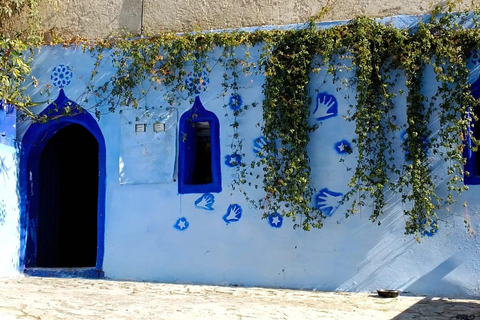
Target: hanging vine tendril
380,56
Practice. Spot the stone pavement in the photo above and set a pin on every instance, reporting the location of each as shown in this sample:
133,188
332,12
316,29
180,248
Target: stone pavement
54,298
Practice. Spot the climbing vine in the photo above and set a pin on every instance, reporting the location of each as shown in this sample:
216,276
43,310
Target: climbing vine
286,112
380,56
374,48
15,57
382,59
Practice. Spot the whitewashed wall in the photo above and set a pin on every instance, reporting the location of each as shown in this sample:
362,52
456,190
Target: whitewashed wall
9,200
144,241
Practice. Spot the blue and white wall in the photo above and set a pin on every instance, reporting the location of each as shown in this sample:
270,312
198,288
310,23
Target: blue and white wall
9,201
154,233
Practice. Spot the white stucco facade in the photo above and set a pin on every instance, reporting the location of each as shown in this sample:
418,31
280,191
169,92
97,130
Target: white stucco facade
154,233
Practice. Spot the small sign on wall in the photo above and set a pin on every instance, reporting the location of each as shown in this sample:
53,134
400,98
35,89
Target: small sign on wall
140,127
159,127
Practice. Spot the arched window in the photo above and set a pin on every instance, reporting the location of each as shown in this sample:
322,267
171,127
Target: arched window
199,151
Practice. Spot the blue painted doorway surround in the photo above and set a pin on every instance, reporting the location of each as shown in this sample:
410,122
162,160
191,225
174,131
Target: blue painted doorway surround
34,143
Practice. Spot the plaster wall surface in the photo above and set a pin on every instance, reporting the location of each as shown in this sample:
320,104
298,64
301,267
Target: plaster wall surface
9,201
153,233
93,18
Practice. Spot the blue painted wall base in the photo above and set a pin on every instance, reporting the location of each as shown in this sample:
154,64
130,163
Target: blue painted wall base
84,273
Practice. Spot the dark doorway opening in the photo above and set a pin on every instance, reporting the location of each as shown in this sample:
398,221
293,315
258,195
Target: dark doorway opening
67,200
202,168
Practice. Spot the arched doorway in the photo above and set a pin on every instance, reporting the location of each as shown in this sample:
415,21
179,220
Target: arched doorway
62,183
67,204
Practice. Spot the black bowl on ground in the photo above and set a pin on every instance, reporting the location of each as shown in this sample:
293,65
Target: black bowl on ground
388,293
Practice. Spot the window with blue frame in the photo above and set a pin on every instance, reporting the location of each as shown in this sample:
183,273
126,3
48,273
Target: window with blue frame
473,158
199,151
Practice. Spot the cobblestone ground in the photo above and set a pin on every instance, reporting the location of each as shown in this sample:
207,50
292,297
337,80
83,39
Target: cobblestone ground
53,298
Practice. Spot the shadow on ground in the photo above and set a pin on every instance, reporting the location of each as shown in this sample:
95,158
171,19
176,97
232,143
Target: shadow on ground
441,308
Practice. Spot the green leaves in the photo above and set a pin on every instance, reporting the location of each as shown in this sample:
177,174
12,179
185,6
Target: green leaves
286,110
381,55
14,73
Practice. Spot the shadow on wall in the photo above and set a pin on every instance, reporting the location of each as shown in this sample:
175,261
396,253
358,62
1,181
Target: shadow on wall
434,280
389,252
380,248
438,308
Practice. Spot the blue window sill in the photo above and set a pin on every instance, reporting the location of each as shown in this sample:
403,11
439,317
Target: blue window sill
201,188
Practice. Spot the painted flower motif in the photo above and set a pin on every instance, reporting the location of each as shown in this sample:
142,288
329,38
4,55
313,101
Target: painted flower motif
343,147
3,213
181,224
275,220
61,76
430,230
233,160
235,102
197,81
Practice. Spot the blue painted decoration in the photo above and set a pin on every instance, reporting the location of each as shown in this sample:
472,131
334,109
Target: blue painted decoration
328,201
327,106
474,58
3,212
84,273
233,160
8,122
61,76
235,102
275,220
33,143
3,168
343,147
181,224
259,146
197,81
205,202
234,213
187,150
7,107
472,172
426,232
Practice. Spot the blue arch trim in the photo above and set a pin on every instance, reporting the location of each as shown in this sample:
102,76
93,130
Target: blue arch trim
33,142
186,160
473,176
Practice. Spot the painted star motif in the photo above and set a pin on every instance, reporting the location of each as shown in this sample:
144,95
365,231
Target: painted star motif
342,147
233,160
181,224
275,220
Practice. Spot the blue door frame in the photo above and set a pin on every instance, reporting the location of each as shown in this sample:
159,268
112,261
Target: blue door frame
33,142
